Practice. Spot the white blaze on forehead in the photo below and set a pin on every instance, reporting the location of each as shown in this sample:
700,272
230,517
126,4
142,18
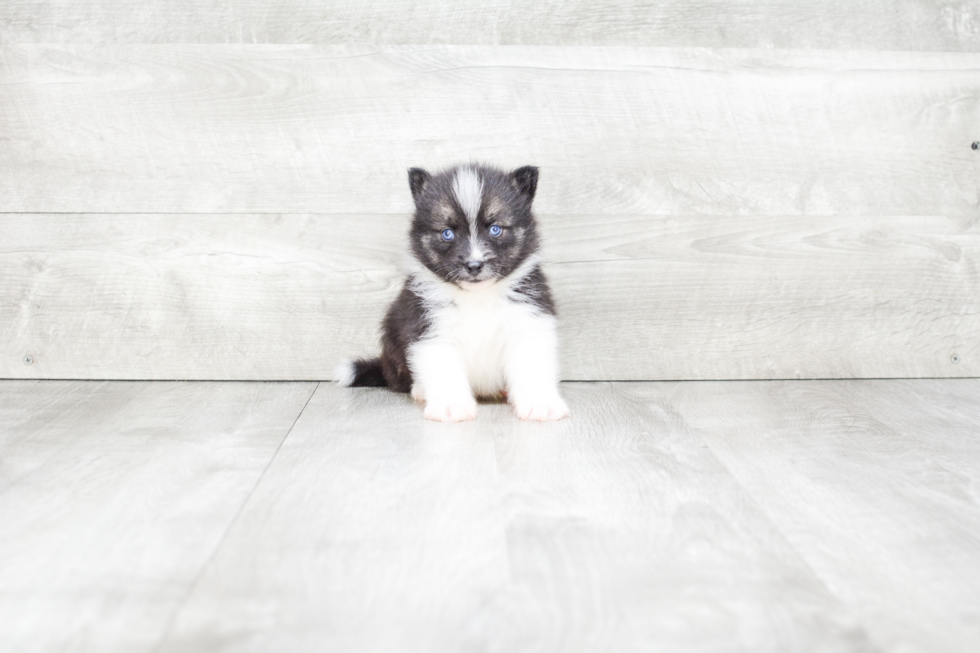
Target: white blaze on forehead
469,194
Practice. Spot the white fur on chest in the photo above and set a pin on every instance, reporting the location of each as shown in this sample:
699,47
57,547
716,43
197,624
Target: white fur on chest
477,332
482,323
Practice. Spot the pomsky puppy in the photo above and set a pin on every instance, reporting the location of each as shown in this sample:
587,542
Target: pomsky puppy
475,317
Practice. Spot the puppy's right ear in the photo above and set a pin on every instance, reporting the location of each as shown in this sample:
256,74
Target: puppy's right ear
417,179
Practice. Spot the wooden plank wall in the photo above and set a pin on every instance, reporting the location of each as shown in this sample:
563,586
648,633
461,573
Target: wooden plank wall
728,189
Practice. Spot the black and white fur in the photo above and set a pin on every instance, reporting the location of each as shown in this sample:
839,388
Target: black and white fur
475,317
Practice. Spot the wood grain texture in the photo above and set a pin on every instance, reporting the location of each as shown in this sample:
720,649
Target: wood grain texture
378,525
113,497
874,483
640,297
616,130
857,24
742,516
614,530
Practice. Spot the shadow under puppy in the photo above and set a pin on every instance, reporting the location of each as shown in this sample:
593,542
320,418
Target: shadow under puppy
475,317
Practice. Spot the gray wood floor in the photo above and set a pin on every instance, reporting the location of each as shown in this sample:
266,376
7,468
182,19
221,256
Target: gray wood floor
743,516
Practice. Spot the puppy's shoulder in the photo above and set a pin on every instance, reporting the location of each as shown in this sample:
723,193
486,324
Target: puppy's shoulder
532,289
408,316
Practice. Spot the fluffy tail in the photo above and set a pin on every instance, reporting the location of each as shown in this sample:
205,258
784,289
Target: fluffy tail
360,373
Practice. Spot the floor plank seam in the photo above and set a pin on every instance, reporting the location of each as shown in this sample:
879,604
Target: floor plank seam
231,524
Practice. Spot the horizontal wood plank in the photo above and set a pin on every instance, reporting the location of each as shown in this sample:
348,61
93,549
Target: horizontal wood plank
114,497
640,297
857,24
639,130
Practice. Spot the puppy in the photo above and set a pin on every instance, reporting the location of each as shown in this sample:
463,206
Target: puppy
475,317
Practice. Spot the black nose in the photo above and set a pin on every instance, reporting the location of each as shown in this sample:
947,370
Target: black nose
474,267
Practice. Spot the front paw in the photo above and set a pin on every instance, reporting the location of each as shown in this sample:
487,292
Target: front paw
541,409
450,411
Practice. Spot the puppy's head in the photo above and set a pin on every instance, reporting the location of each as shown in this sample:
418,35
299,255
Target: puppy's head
473,223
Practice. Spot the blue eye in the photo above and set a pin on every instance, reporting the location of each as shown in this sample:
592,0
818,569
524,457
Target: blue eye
495,230
448,235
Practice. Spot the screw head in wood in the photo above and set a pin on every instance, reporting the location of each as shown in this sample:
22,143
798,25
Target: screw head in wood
955,358
28,360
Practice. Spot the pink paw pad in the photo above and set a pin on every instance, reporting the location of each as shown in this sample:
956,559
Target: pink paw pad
450,412
546,410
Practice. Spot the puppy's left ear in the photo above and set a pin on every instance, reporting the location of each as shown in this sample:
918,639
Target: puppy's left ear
526,181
